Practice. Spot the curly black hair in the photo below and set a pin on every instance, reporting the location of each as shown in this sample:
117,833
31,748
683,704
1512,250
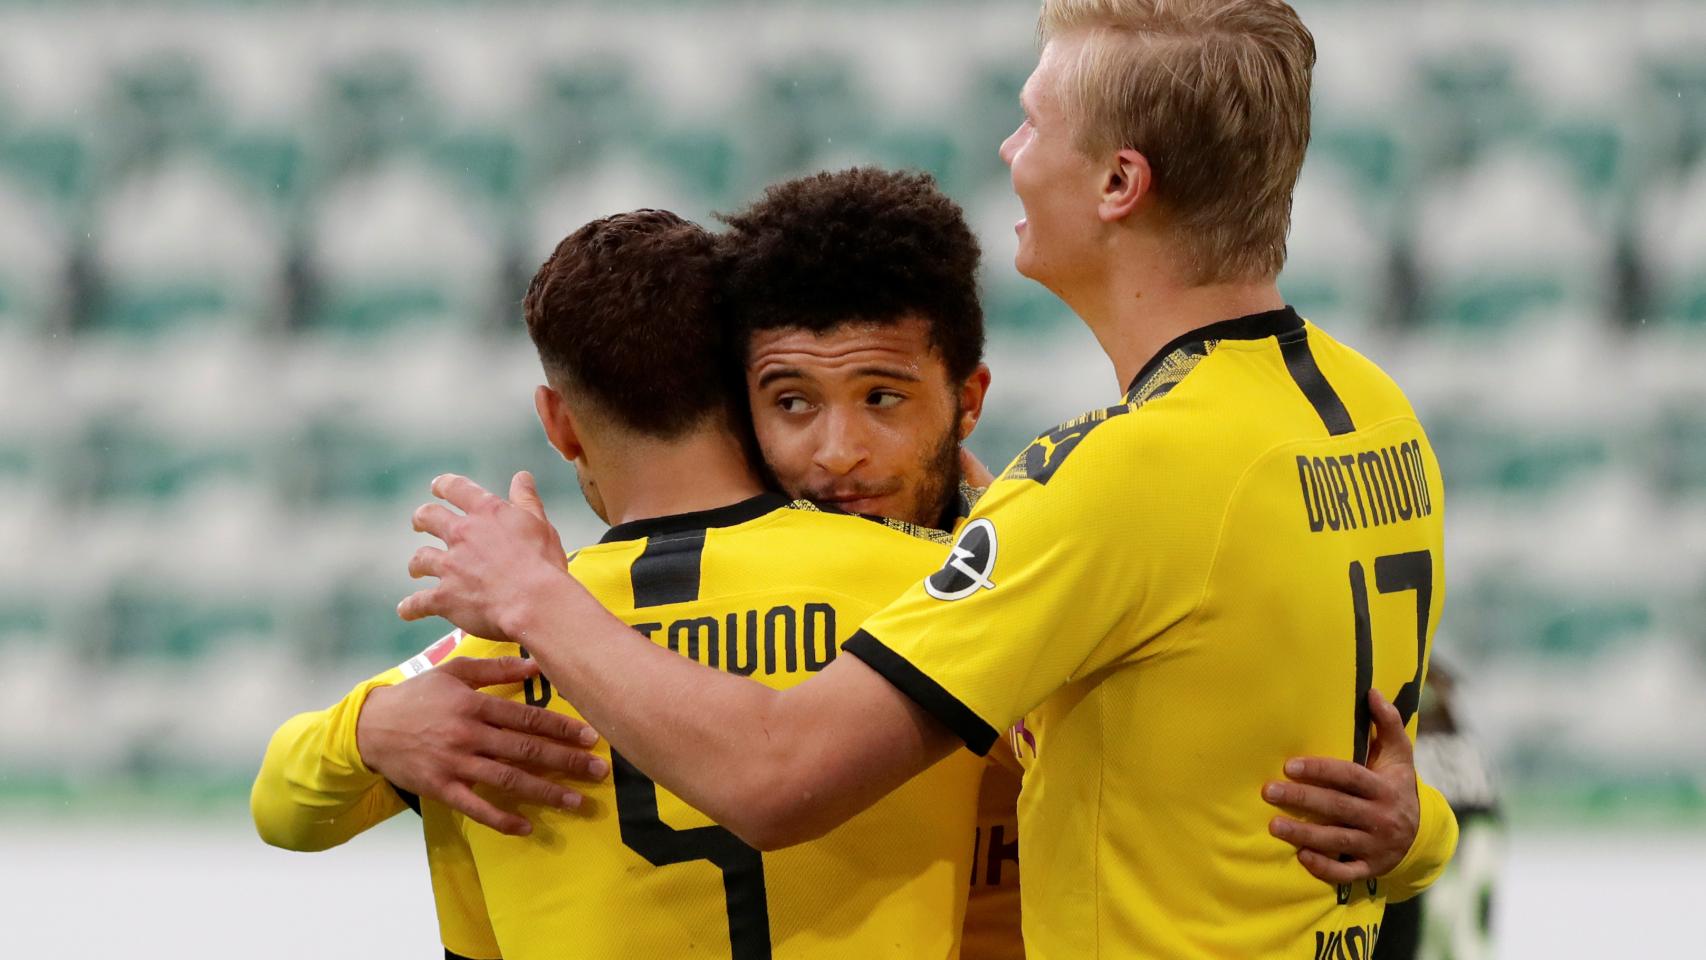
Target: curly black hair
857,245
626,312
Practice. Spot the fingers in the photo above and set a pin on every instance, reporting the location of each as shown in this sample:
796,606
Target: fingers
419,605
1321,802
973,470
490,672
540,754
1330,870
536,721
426,562
1346,776
459,797
520,784
1330,840
1393,743
462,492
436,519
525,494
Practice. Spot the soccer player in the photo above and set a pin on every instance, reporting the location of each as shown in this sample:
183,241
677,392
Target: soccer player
897,883
1173,593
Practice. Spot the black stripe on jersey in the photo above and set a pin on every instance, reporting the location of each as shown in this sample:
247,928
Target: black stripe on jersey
450,954
700,520
1300,363
667,571
927,693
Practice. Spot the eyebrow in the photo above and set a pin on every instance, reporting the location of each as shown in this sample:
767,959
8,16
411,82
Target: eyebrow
774,374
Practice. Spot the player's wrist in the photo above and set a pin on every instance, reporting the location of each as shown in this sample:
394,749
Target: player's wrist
369,729
529,620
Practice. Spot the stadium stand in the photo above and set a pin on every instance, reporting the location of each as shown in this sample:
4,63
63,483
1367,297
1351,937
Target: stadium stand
247,261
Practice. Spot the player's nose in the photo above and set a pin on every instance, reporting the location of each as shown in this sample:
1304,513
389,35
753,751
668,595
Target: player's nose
841,448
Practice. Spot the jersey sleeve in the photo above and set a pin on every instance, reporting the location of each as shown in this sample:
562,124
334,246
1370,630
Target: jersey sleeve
464,926
1436,841
1030,595
313,791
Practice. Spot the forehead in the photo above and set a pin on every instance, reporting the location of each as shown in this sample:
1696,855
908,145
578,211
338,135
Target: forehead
1039,89
902,346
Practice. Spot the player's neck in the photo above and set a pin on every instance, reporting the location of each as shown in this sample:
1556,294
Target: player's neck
703,470
1145,304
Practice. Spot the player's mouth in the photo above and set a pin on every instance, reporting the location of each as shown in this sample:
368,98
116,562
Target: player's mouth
1020,226
870,504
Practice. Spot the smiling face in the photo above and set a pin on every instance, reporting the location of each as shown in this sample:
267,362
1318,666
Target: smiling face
863,416
1058,186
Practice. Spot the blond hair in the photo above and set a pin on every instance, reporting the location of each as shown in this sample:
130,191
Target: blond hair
1215,95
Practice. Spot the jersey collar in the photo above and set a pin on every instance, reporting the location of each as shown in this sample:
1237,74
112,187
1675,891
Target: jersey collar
1256,326
735,513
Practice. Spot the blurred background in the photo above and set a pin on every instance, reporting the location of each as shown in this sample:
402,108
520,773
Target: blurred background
260,271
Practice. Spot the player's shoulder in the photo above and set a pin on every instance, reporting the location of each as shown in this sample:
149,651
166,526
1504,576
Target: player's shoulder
854,531
1364,385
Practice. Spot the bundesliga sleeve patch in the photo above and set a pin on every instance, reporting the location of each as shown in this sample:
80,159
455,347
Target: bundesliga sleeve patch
969,563
432,656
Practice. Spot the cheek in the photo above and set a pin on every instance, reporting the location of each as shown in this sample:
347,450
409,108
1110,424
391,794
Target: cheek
786,446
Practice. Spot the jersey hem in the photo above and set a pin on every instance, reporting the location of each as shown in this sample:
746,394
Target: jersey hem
978,735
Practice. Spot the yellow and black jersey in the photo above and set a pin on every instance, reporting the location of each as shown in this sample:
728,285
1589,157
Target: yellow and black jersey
766,592
1175,595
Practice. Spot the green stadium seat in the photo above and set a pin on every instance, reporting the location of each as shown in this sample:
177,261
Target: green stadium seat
360,623
1509,238
582,108
1491,458
181,243
801,109
399,245
149,619
1671,239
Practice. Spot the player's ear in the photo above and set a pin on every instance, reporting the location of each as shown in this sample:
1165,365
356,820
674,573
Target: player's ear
558,421
1126,181
972,393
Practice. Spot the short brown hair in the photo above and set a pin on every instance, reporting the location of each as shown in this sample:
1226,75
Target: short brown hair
1215,94
625,313
858,245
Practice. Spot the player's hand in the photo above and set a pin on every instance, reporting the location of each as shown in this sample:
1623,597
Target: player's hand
498,554
437,736
1368,816
973,471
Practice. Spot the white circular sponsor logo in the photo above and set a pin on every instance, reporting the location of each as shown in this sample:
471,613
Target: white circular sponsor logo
969,564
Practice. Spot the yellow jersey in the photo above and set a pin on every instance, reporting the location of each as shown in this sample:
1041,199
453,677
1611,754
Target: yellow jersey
1174,595
766,592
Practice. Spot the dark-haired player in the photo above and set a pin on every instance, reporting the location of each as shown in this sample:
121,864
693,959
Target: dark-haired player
711,566
1173,593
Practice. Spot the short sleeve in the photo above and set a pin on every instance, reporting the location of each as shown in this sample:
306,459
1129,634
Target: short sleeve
1039,588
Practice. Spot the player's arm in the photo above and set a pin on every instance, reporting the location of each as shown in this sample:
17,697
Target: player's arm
1366,822
313,791
331,774
775,767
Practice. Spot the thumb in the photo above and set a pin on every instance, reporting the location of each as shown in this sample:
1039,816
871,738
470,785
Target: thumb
490,671
525,494
1392,745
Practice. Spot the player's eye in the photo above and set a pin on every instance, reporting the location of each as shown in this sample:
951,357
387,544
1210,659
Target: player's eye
792,404
884,398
